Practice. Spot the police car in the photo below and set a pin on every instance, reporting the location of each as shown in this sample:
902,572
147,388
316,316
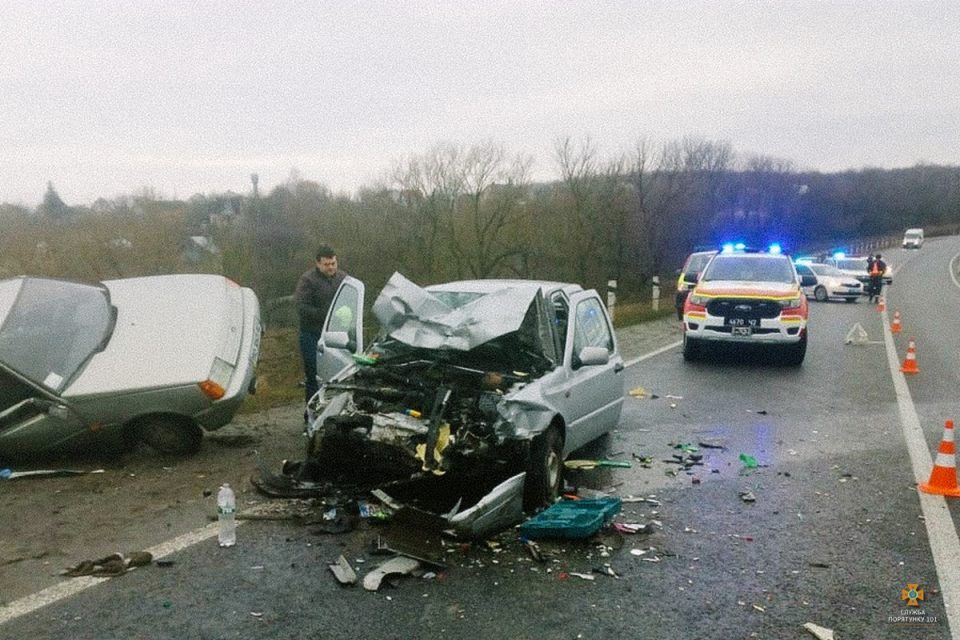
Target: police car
856,266
825,282
746,297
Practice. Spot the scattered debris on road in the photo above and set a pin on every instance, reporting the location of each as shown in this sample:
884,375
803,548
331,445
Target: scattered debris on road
10,474
822,633
115,564
343,572
401,565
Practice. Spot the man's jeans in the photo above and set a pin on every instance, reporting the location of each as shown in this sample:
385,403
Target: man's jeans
308,351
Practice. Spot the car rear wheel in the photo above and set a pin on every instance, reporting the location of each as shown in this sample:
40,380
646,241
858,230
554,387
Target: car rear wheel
544,470
170,435
692,349
820,293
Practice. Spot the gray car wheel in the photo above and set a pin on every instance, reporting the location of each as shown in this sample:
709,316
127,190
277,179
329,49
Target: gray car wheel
170,435
544,470
820,293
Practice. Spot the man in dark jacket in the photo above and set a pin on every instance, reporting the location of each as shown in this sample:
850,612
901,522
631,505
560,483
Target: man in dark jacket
315,291
876,268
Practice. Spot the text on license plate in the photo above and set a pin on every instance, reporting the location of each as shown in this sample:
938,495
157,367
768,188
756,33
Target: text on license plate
741,331
741,322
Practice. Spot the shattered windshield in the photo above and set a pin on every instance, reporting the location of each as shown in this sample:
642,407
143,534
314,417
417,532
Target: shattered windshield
51,327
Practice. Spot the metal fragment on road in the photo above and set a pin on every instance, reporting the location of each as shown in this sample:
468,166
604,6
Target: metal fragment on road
822,633
343,572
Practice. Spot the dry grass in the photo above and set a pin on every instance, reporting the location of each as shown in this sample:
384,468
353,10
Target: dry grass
279,373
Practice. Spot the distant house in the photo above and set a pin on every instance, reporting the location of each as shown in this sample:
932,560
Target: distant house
201,249
229,213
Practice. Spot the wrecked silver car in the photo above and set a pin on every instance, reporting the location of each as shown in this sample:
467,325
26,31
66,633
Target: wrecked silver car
468,385
157,359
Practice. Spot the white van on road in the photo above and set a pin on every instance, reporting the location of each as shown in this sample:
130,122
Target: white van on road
913,239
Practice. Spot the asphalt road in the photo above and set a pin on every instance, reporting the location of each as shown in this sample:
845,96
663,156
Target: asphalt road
837,530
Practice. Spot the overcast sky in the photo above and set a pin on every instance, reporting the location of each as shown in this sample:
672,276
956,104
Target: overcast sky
106,98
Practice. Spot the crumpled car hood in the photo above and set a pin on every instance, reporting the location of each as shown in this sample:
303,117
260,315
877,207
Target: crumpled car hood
415,317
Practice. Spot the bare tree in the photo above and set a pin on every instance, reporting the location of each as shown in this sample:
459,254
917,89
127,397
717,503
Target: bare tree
466,204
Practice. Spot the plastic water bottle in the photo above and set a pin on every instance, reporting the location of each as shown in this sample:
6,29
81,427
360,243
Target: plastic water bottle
226,516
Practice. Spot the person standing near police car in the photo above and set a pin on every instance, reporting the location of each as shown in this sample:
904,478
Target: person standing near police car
314,294
876,267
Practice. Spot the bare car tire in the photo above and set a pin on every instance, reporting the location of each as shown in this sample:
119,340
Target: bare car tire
820,293
170,435
544,471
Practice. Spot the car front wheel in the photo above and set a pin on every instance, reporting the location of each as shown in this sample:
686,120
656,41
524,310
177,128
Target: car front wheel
820,293
170,435
794,354
544,470
692,349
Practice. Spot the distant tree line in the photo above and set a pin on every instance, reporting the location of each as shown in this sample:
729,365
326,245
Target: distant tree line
472,211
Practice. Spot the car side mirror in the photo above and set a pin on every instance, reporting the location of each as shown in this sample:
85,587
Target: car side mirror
336,339
691,276
591,356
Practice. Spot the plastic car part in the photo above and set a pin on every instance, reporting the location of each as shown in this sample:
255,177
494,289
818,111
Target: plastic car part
544,470
173,435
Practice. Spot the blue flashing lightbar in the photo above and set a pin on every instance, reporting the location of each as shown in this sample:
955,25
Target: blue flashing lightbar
775,249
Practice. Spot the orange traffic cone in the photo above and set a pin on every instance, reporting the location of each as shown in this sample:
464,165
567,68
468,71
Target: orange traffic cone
943,478
895,325
881,304
910,362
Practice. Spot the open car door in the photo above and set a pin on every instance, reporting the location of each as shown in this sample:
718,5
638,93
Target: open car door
342,335
32,421
594,367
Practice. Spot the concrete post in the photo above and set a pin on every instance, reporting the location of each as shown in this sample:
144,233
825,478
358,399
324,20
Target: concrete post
611,297
655,297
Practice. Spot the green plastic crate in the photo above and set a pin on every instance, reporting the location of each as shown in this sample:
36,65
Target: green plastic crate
571,519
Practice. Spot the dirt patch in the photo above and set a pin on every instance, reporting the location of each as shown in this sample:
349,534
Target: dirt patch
140,500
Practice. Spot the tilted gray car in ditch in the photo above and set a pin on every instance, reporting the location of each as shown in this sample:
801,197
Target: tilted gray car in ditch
475,389
156,358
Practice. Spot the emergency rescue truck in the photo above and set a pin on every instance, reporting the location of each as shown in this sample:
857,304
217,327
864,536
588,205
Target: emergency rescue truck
747,298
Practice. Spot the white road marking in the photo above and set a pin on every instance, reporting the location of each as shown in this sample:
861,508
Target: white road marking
647,356
944,543
73,586
953,272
